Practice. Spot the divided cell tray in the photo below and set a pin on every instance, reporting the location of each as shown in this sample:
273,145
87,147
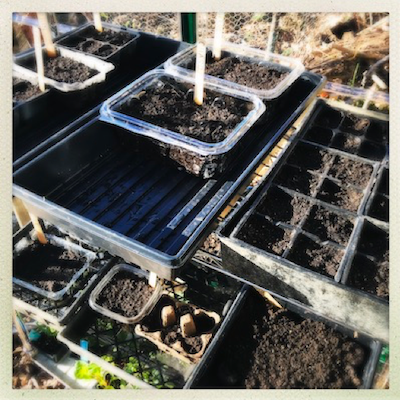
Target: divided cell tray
298,230
115,44
111,189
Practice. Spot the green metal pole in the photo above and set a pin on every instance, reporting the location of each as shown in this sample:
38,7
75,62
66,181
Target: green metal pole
188,27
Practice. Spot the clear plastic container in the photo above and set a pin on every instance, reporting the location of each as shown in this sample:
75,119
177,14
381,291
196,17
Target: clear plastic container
65,244
180,62
101,66
118,317
205,153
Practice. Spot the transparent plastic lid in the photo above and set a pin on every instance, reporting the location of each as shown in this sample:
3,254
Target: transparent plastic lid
109,113
179,64
67,245
136,273
101,66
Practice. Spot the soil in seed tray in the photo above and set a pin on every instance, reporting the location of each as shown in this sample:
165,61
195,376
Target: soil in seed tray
343,197
373,241
261,233
328,117
319,135
97,48
125,294
246,73
297,179
371,150
107,35
48,267
328,225
380,208
378,132
351,172
369,276
192,345
310,157
172,107
282,207
24,90
355,125
323,259
277,349
66,70
346,142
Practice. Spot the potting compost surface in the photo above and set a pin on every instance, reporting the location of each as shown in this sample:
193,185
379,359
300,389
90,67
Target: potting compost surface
269,348
125,294
107,35
46,266
308,211
63,69
24,90
171,106
246,73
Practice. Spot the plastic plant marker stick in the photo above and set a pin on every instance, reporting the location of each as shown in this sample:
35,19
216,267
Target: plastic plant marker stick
46,32
379,81
85,346
168,316
97,22
369,96
219,26
20,212
38,228
152,279
188,326
39,57
200,68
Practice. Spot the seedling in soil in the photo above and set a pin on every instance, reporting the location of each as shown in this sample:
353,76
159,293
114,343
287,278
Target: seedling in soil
97,22
219,26
200,68
46,32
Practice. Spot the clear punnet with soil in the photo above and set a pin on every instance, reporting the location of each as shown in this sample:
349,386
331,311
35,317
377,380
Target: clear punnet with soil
125,294
245,69
49,269
203,139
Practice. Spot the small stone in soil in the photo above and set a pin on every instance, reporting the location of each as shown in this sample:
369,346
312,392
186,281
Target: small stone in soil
309,254
319,135
297,179
343,197
259,232
310,157
355,125
247,73
24,90
328,225
351,172
126,294
369,276
282,207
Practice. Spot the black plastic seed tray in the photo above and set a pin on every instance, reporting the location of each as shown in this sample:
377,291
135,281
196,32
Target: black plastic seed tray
58,313
112,189
297,232
224,369
137,360
116,44
36,135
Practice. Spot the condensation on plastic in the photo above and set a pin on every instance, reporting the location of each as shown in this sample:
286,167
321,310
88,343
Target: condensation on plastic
101,66
109,114
177,64
107,278
65,244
